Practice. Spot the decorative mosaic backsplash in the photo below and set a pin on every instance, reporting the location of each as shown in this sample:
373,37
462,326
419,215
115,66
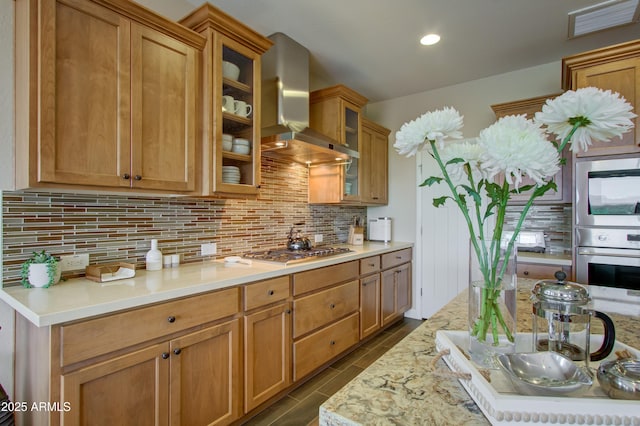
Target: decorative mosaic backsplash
553,219
119,228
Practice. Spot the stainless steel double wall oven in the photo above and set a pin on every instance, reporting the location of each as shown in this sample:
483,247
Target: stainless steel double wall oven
607,219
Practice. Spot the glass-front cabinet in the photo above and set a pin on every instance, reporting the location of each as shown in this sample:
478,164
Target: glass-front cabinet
231,110
337,112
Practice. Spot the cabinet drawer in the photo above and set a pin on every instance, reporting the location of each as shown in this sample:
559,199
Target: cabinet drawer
318,348
316,279
84,340
314,311
265,292
389,260
369,265
538,271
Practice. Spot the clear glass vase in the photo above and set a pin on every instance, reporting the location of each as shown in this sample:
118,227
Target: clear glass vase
492,301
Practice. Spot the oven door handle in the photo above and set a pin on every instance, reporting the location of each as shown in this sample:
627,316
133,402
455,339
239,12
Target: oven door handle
599,251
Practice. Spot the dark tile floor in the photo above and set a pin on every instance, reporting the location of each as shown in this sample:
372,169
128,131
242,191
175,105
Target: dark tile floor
300,407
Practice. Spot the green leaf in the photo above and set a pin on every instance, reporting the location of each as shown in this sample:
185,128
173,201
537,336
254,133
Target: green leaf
431,180
454,161
437,202
476,197
541,190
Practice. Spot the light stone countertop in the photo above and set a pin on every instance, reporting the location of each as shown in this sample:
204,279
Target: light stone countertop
558,259
81,298
399,388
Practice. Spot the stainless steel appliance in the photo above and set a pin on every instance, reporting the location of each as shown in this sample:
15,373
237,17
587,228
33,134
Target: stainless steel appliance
608,260
285,256
608,193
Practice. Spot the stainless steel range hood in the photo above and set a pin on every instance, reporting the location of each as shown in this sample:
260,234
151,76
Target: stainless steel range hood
285,108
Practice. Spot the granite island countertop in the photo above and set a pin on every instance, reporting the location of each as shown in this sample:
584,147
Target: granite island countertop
80,298
400,389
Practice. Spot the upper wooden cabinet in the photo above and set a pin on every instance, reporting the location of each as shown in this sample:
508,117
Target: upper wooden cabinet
229,40
337,112
374,163
616,68
529,107
105,97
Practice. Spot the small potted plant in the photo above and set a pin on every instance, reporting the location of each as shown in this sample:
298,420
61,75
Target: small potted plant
41,270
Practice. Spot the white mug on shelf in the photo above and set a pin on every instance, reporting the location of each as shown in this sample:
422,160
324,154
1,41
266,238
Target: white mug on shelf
228,104
242,108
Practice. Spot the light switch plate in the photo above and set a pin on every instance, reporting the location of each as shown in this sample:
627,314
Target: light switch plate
74,262
208,249
318,238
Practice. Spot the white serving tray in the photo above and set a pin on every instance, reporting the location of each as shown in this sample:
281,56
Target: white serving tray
503,406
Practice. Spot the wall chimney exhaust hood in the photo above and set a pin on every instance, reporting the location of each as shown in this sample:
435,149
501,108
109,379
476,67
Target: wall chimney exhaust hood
285,108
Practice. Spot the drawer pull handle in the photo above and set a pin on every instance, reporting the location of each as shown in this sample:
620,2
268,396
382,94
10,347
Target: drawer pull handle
177,351
332,306
333,342
399,257
171,319
271,292
372,265
165,355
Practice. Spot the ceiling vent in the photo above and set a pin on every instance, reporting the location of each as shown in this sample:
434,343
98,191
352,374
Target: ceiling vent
602,16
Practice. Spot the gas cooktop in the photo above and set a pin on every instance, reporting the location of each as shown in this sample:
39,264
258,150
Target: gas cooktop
286,256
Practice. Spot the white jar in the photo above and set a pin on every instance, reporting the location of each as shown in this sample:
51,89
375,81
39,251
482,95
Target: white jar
154,257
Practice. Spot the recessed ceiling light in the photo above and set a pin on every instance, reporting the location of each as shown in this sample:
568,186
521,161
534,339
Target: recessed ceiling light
608,14
430,39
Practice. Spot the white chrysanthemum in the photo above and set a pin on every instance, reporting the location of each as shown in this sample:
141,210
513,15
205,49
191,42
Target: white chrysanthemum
469,151
604,115
517,146
432,126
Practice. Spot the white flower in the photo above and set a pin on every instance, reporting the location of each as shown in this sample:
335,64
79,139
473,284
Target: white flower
602,114
471,153
432,126
517,146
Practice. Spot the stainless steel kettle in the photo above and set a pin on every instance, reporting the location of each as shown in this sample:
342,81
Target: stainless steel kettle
561,314
298,241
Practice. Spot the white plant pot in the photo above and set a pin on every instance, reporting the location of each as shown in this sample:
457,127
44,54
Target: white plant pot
38,276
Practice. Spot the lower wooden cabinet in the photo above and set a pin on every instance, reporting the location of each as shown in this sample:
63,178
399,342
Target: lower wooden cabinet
190,380
267,354
537,271
370,296
396,293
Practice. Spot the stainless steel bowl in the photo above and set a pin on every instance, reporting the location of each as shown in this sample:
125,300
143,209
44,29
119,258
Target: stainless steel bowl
620,379
544,374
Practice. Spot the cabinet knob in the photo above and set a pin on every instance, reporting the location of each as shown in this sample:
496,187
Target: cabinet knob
372,265
171,319
288,311
177,351
332,343
399,257
525,273
126,176
364,284
332,306
137,177
271,292
165,355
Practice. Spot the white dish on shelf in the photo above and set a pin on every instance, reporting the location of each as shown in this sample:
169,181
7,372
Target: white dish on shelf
241,149
230,70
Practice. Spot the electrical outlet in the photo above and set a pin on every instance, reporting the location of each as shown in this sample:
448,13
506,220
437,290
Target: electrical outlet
208,249
318,238
74,262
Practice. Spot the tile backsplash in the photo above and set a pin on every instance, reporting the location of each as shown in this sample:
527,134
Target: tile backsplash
553,219
119,228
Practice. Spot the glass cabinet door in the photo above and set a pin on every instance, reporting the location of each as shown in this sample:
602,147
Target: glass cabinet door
238,151
351,133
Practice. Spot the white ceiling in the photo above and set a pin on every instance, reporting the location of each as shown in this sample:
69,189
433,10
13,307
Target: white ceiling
372,45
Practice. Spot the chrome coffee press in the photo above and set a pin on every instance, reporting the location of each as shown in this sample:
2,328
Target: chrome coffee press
561,316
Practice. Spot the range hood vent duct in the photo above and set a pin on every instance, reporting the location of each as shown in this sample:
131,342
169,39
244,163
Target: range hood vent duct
285,108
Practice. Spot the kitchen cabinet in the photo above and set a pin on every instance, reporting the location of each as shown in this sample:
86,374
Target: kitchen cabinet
370,311
229,40
539,271
529,107
325,315
173,363
615,68
105,97
267,340
396,285
374,161
337,112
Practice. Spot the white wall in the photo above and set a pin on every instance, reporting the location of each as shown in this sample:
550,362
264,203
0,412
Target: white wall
473,100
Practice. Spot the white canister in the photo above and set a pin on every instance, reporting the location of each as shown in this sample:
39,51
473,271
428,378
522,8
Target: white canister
379,229
154,257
